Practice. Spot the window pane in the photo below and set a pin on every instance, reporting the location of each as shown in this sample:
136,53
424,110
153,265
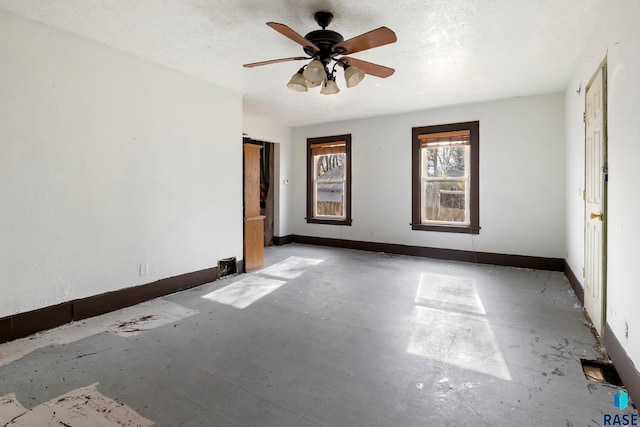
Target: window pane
330,199
445,161
445,201
330,166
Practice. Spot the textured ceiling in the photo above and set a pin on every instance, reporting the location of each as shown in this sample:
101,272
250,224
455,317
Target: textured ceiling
448,51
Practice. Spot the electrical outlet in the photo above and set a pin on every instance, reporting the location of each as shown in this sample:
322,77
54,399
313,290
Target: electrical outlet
144,269
626,330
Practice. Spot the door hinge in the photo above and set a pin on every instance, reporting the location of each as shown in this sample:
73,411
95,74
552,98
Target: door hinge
583,273
584,117
584,194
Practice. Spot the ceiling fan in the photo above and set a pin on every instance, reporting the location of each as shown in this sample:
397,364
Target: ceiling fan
325,47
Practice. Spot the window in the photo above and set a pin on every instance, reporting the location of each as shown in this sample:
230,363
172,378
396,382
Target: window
329,180
445,188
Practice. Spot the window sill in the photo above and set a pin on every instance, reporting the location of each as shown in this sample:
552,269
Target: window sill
465,229
329,221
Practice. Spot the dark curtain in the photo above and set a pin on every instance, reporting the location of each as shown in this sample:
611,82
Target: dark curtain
266,190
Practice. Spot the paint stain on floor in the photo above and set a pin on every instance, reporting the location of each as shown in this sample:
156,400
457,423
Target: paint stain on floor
82,407
127,322
134,325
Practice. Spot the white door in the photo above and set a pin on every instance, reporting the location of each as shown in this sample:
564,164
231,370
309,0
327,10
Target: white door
595,198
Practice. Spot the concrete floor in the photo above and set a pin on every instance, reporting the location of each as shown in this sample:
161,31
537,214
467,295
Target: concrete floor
327,337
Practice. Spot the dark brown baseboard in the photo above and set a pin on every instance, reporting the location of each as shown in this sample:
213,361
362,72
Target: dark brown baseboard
24,324
574,282
282,240
111,301
523,261
624,365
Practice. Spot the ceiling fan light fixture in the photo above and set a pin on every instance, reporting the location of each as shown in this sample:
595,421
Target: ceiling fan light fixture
329,87
353,75
298,82
315,72
325,48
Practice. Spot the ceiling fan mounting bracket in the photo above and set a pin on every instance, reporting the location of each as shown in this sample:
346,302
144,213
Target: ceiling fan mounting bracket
324,39
323,18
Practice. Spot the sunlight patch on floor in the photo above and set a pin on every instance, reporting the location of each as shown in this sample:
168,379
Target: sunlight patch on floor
449,292
291,267
243,293
449,326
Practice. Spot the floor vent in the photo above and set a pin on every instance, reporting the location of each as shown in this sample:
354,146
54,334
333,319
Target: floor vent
227,266
600,371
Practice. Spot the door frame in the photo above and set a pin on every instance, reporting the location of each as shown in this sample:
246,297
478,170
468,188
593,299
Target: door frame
602,67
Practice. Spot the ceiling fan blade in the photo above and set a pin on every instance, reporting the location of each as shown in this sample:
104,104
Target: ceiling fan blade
369,67
365,41
274,61
288,32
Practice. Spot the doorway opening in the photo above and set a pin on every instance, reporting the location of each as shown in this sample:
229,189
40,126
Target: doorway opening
259,200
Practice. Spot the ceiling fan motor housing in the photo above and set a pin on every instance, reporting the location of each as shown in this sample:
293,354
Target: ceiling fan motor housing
324,39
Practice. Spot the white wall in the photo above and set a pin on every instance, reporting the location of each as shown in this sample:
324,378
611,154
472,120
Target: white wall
107,162
616,36
262,129
521,177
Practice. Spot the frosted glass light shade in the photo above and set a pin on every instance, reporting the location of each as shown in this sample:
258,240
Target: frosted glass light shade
298,83
314,72
353,75
329,87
